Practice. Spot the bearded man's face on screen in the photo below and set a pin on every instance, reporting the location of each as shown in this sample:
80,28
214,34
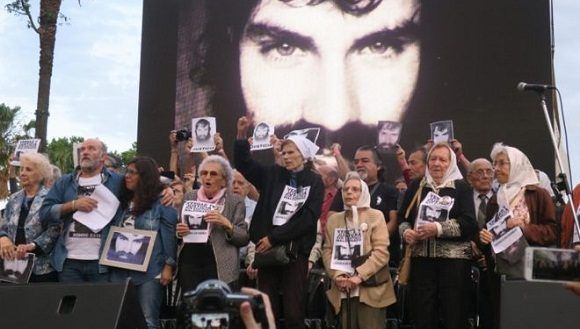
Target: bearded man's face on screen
330,63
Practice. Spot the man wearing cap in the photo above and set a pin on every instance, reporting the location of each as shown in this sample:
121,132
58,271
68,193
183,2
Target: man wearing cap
287,211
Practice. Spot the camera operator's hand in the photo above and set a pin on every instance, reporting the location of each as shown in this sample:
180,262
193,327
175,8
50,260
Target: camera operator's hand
248,316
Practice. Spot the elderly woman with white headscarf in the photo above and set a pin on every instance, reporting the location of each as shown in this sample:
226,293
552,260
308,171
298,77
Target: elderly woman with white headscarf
285,215
532,207
533,211
437,219
364,287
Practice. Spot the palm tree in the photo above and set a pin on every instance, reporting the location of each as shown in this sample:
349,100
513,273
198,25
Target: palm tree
46,30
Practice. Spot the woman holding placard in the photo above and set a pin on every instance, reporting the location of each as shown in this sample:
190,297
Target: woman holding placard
144,221
283,225
356,258
212,228
20,228
437,219
531,216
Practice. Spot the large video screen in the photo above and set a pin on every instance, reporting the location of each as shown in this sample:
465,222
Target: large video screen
345,65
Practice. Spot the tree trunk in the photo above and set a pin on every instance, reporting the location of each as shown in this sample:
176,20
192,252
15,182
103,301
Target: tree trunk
49,10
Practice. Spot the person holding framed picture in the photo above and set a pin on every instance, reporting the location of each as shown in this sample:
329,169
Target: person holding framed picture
143,214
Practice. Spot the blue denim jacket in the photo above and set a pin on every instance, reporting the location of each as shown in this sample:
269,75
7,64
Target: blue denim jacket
33,231
163,220
63,191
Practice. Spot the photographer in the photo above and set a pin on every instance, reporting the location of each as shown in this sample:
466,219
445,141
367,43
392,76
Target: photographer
213,305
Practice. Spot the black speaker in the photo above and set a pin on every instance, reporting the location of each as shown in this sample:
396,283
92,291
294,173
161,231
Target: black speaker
58,305
538,305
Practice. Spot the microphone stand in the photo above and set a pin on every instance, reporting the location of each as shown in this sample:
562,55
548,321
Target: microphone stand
560,164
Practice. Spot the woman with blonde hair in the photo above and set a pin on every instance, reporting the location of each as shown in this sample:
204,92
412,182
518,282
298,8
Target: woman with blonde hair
20,229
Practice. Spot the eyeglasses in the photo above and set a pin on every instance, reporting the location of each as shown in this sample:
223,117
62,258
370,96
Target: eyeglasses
480,173
131,171
211,173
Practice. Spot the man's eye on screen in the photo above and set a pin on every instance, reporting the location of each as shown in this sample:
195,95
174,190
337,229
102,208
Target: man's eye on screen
384,47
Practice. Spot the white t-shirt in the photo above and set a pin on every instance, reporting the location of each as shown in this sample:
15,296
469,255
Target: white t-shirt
80,241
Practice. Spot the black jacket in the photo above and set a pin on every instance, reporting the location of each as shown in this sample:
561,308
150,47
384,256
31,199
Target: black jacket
270,182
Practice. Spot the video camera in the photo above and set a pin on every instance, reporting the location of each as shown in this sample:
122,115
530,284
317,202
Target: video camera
212,305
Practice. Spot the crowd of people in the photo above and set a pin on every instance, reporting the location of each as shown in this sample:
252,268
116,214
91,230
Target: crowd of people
270,224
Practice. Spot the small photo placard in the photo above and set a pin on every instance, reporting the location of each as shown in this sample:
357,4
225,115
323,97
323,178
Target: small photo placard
128,248
442,131
261,136
24,146
388,134
308,133
202,131
17,270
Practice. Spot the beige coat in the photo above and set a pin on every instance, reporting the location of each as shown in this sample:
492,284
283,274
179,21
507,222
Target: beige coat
376,241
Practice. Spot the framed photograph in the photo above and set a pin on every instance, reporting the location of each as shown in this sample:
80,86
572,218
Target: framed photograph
442,131
128,248
17,270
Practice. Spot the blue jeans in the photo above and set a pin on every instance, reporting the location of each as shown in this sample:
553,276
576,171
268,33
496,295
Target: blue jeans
78,271
150,296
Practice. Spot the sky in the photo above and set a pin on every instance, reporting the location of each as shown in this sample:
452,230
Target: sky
95,82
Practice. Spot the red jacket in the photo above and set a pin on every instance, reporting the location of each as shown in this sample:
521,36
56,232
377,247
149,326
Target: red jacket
568,220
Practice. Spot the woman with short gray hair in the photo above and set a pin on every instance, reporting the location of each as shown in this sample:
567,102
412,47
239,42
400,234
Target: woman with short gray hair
218,258
20,228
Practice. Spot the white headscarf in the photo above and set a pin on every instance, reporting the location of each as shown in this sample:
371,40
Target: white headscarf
521,173
365,197
452,173
305,146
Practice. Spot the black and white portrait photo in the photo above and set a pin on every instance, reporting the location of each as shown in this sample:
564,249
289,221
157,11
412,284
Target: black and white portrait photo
128,248
17,270
442,131
432,214
203,131
309,133
261,132
388,134
343,252
195,222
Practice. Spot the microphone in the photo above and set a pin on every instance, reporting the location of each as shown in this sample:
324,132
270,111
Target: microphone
522,86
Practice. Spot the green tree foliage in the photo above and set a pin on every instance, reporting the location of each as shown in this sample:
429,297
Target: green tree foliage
129,154
10,131
60,152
